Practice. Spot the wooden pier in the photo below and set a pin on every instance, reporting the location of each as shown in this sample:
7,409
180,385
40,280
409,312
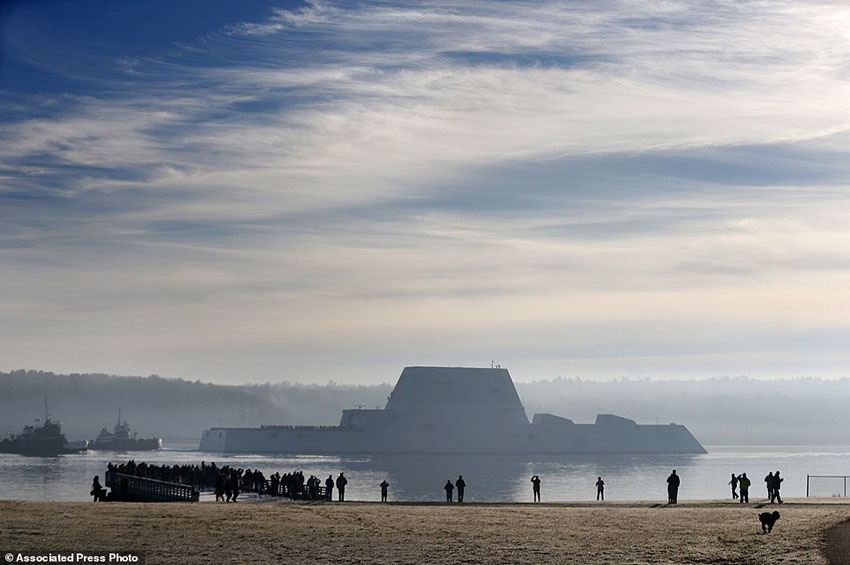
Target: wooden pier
129,488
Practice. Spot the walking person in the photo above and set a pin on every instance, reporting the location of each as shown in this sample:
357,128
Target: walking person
219,487
461,485
234,485
734,483
769,482
744,485
535,487
777,483
341,481
450,488
384,486
329,488
600,489
97,491
673,483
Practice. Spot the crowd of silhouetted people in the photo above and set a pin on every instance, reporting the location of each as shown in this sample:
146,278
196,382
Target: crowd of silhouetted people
229,482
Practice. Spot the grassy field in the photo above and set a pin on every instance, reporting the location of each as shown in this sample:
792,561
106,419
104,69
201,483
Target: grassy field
691,532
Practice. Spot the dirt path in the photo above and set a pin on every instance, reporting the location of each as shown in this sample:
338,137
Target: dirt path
837,548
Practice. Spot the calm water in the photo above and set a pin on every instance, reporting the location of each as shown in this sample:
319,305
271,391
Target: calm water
488,478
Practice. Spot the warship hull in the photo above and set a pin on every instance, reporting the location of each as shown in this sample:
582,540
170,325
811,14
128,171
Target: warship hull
455,411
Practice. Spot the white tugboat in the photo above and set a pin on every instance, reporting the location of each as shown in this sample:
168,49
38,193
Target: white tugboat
120,440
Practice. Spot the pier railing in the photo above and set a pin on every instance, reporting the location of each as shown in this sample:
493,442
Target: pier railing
280,489
141,489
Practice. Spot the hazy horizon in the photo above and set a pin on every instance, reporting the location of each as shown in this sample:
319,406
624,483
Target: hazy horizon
315,190
391,379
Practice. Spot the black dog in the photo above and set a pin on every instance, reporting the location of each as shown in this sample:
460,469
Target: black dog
767,520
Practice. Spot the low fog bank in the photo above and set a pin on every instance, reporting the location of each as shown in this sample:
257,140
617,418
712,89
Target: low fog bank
737,411
721,411
169,408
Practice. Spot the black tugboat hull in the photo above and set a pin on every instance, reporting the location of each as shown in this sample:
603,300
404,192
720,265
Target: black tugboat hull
47,447
151,444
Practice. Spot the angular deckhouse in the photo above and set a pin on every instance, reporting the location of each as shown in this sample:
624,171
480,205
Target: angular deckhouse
454,410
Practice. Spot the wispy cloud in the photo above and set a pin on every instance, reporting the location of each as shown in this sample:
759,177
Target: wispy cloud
446,182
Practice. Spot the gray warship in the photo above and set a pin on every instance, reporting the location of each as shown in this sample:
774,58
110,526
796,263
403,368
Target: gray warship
455,410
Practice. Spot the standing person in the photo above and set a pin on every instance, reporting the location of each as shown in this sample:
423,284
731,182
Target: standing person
734,483
450,488
384,486
673,483
768,480
744,484
600,488
329,488
228,492
341,481
535,487
460,484
777,483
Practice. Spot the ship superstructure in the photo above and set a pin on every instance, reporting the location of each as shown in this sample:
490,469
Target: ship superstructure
454,410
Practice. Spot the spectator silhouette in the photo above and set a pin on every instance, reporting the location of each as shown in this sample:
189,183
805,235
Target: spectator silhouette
384,486
600,488
97,491
329,488
673,482
234,484
734,483
341,481
777,484
461,485
450,488
219,487
744,484
535,487
768,481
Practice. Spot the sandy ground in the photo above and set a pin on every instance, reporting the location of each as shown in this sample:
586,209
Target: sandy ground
263,532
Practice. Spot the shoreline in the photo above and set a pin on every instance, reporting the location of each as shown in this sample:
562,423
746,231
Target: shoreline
399,532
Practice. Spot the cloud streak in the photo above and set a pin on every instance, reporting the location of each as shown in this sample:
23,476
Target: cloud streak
381,184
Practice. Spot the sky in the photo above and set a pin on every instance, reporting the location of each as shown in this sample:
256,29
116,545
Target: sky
261,191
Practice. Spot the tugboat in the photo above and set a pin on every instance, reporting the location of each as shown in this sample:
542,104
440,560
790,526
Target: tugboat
46,440
119,439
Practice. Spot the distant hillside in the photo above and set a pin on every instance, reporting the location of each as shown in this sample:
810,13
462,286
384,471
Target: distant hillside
737,411
171,408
